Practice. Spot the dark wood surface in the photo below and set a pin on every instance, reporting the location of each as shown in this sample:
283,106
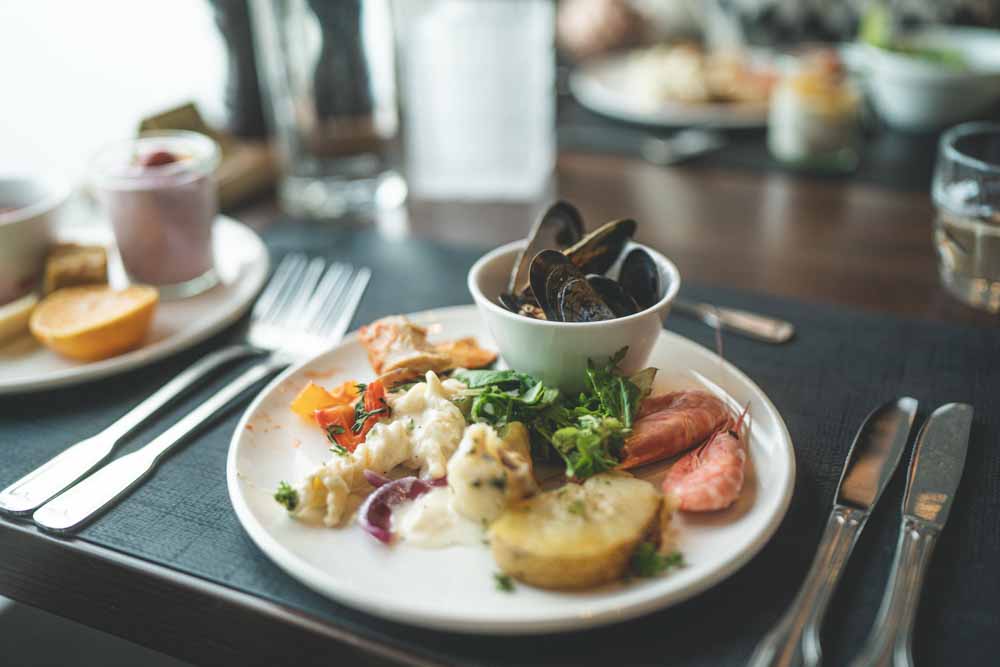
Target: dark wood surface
848,244
786,234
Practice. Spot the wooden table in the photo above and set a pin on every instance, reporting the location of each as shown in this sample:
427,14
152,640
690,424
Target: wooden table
847,244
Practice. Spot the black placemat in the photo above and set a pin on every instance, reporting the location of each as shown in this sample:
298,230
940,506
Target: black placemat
841,364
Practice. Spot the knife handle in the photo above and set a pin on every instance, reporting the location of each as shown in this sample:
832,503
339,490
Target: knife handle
888,643
795,639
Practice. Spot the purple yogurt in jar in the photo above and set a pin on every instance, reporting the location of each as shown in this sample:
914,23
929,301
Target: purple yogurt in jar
160,194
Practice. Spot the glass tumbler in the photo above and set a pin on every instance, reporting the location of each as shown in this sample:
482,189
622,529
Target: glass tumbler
159,193
328,76
966,191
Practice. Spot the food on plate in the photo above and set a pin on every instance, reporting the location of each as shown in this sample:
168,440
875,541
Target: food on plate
92,323
687,74
560,274
490,470
14,317
314,397
672,423
577,536
710,477
72,265
394,343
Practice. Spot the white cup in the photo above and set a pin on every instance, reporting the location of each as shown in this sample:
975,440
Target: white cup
26,231
557,352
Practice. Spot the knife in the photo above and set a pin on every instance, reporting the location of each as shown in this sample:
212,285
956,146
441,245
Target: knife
759,327
935,472
871,461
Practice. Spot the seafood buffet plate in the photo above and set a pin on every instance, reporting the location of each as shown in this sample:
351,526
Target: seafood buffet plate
453,588
602,85
242,264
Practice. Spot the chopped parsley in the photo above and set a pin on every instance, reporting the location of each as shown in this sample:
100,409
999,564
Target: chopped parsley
287,496
648,562
340,450
332,431
498,483
577,507
504,582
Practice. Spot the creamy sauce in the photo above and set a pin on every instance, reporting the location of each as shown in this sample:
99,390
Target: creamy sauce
430,521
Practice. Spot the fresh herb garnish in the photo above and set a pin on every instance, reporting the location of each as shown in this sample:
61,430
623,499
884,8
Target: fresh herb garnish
340,450
287,496
332,431
361,415
504,582
647,561
587,431
577,507
498,483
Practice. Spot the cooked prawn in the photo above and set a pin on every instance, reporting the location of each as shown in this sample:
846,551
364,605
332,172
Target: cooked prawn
672,423
711,476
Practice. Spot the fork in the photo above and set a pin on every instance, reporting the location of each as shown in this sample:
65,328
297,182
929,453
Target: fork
307,315
41,484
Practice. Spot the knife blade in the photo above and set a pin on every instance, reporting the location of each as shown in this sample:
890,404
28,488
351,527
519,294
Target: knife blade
935,473
873,457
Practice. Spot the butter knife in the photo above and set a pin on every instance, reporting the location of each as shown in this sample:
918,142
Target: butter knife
935,472
871,461
752,325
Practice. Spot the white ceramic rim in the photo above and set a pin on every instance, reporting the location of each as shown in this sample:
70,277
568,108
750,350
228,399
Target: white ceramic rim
147,355
479,297
389,608
204,163
56,195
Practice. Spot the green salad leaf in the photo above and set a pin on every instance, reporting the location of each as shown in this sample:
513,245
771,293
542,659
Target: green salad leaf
587,431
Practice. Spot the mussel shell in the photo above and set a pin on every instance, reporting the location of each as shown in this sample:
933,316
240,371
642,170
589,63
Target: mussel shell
617,299
550,270
598,250
559,227
579,302
509,301
640,278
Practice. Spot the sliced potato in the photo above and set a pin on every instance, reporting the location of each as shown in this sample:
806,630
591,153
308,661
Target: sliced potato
577,536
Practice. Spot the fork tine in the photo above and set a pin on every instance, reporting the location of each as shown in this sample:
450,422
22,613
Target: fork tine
274,286
331,302
303,294
278,311
345,313
328,290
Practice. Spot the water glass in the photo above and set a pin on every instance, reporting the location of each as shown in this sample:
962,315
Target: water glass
328,77
966,191
477,84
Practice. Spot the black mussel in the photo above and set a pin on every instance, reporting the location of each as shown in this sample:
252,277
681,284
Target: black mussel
640,278
598,250
559,227
550,270
509,301
579,302
617,299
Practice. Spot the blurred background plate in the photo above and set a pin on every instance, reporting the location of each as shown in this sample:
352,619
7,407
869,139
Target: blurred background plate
601,85
241,261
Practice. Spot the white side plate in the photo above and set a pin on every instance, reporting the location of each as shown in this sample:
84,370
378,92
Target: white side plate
601,86
242,263
453,589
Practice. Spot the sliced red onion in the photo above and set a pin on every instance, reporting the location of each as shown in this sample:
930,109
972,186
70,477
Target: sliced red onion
375,479
375,514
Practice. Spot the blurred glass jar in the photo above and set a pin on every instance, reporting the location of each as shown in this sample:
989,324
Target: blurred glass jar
814,118
327,73
478,96
966,191
159,193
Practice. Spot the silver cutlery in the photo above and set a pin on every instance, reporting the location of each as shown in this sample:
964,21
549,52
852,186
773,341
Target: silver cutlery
310,310
752,325
53,476
871,461
935,473
681,146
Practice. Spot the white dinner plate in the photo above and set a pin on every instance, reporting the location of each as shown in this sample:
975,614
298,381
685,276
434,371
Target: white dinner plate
453,588
242,263
601,85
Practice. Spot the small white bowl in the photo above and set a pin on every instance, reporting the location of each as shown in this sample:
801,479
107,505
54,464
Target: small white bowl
557,352
26,232
915,95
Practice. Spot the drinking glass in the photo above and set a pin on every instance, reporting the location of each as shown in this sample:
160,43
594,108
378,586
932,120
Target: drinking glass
966,192
159,192
477,82
327,73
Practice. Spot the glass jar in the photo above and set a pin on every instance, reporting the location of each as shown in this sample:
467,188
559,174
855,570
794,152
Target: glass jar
814,117
159,193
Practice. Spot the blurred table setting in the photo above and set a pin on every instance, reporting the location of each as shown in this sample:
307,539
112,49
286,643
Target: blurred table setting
187,232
